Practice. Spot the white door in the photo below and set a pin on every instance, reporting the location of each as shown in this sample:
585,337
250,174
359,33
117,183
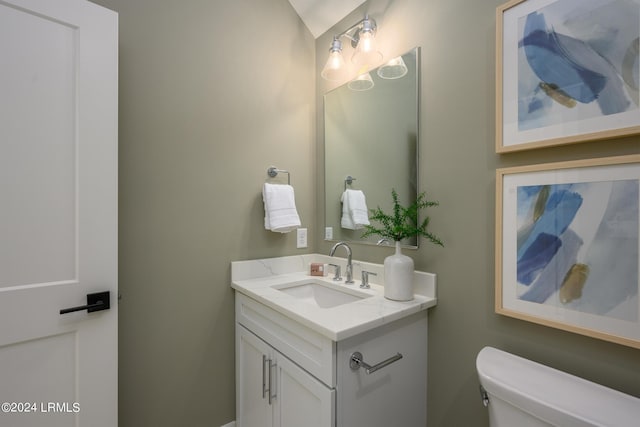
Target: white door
58,213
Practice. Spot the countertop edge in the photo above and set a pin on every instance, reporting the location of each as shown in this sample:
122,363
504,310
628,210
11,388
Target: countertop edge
345,333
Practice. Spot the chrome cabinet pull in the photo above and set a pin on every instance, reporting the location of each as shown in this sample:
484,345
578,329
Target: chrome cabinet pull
356,362
267,379
264,381
271,394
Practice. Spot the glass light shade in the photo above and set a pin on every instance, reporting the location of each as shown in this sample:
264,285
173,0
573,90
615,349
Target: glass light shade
362,82
367,52
393,69
335,69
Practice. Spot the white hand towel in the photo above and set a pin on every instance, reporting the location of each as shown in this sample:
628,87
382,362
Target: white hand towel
280,214
355,214
346,221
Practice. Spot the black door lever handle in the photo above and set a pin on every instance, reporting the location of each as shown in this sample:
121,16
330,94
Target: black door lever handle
95,302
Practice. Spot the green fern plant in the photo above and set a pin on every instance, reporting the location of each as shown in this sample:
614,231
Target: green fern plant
403,222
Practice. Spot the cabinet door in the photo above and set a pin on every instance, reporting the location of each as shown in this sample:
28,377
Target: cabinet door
301,399
395,395
253,358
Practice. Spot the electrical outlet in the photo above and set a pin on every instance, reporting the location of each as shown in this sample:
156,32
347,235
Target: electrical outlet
301,238
328,233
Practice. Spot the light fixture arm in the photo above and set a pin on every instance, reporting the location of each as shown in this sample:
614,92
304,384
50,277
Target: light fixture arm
368,24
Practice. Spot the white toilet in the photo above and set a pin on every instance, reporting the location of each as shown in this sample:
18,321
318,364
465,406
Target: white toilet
522,393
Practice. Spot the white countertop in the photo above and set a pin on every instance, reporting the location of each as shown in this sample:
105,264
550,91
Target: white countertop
256,278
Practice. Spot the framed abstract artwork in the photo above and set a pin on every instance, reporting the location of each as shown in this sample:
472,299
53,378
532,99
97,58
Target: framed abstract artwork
566,72
567,246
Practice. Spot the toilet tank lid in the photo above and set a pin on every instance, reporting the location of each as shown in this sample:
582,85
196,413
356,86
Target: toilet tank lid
553,395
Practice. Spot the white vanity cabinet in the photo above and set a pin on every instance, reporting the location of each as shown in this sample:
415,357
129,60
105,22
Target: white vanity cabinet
310,378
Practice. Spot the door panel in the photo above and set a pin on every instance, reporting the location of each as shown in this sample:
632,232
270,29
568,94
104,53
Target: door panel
51,361
253,408
58,211
302,399
38,216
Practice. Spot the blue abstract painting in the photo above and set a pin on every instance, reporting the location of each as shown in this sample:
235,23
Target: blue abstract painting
577,246
578,59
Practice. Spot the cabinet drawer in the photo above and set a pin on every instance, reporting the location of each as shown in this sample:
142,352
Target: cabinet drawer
309,349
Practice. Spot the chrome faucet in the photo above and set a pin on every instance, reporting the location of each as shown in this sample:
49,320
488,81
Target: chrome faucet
349,269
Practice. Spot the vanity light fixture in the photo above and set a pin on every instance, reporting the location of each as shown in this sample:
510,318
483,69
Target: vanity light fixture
362,82
362,36
393,69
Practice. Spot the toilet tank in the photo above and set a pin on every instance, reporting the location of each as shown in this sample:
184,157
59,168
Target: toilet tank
524,393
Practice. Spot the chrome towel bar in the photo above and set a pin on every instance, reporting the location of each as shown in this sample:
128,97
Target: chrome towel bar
356,362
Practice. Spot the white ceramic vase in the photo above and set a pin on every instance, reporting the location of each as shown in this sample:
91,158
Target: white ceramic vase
398,276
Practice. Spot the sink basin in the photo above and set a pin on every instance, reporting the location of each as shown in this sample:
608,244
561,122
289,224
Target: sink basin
321,294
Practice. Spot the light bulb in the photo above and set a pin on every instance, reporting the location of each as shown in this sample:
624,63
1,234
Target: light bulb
335,69
367,52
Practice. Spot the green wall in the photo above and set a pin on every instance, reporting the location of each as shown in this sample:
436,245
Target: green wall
213,92
457,168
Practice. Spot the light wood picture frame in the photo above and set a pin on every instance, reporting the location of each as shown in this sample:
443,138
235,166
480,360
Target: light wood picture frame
567,246
566,72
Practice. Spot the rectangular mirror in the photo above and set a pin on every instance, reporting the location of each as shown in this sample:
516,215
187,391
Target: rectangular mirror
371,135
